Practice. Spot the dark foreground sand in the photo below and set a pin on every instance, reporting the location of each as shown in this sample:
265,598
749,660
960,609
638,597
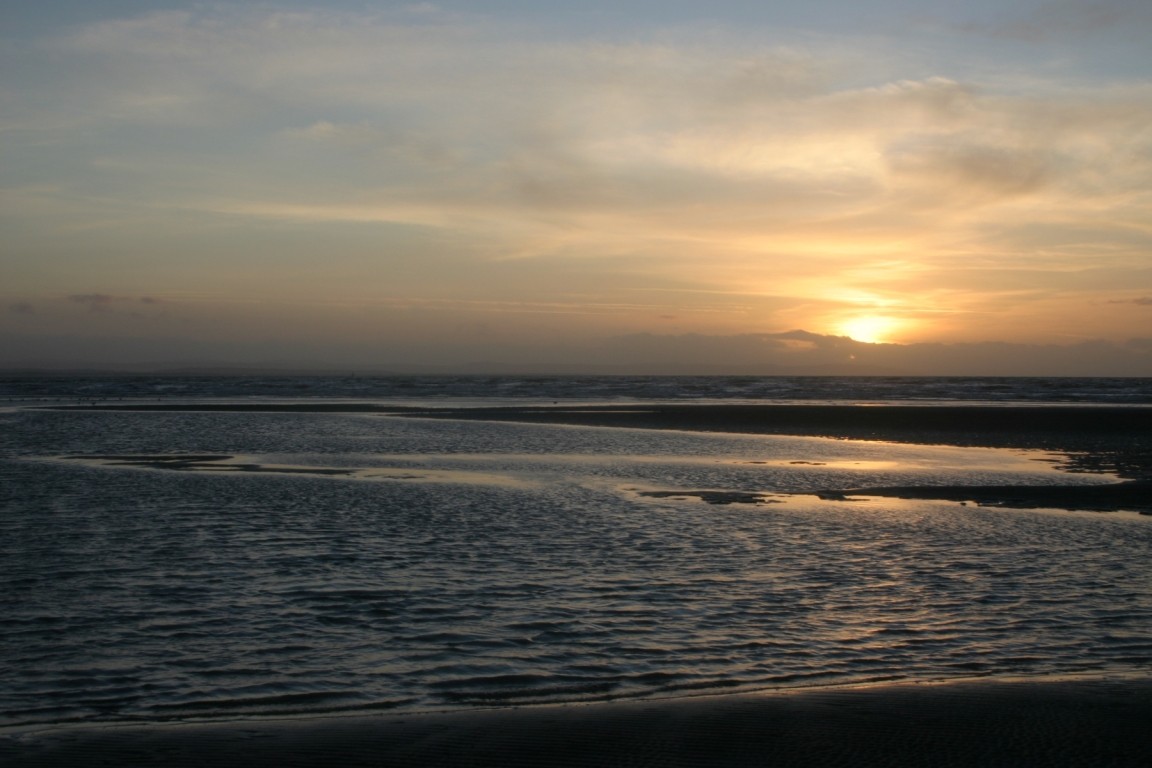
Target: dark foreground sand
1084,723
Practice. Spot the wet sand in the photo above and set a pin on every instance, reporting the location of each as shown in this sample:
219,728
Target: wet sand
1064,428
1093,439
1110,439
1108,430
1082,723
971,723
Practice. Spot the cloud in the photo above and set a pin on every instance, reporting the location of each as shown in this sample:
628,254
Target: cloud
1058,19
105,303
791,353
95,302
22,308
977,170
803,352
683,137
422,149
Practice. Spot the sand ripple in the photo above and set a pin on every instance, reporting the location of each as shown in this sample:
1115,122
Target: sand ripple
161,592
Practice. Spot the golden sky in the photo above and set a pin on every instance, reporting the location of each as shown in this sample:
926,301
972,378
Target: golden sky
444,185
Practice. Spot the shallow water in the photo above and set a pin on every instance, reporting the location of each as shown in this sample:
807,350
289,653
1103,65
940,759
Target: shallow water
320,562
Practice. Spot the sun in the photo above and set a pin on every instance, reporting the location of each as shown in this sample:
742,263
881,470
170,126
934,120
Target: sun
870,329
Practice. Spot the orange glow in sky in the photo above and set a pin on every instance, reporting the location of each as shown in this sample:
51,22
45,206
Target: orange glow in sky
577,187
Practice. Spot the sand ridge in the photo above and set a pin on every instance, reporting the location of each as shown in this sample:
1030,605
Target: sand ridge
973,723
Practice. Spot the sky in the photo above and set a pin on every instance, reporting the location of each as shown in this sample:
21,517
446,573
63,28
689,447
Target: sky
632,186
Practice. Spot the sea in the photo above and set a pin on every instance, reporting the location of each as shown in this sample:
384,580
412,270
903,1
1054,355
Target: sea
180,565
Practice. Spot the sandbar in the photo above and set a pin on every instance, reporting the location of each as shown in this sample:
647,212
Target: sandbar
1116,440
1104,439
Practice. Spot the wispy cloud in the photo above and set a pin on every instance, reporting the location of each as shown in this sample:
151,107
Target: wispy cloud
95,302
1057,19
571,126
312,151
103,302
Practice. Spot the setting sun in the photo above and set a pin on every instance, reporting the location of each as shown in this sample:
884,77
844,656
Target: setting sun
870,329
412,188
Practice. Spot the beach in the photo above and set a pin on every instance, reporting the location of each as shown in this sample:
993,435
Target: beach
1095,439
1061,724
978,715
1110,430
1092,439
1107,429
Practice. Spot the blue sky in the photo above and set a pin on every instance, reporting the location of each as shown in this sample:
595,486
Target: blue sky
441,184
